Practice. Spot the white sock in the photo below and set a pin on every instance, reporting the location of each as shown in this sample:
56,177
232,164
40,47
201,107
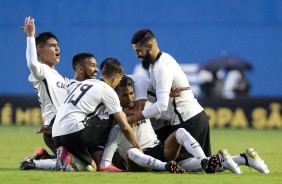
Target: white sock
49,164
190,144
114,139
191,164
239,159
45,164
145,160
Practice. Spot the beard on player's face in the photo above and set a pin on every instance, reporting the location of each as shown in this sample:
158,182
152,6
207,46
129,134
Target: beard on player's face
146,61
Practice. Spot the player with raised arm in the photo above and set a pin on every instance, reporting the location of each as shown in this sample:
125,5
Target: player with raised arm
72,134
47,82
85,67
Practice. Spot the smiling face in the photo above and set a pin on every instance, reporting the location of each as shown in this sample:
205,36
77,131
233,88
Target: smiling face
143,53
89,68
126,96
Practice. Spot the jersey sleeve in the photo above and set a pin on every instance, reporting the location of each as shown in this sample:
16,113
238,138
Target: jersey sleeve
111,101
163,76
31,57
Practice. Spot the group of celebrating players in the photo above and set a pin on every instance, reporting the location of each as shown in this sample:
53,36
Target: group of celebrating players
121,122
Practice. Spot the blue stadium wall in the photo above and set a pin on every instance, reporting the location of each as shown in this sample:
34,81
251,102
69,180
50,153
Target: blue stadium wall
193,31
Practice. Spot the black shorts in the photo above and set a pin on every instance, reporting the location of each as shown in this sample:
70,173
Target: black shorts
79,143
198,127
163,133
156,152
74,144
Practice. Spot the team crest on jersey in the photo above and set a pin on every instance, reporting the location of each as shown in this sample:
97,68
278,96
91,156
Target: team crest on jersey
103,116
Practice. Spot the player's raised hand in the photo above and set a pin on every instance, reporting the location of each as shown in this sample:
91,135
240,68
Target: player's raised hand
29,27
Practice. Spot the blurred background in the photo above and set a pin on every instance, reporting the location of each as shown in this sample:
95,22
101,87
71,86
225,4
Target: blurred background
247,35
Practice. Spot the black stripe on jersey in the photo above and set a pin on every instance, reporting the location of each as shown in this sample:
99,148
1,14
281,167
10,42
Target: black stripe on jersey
151,94
46,86
52,122
95,111
176,112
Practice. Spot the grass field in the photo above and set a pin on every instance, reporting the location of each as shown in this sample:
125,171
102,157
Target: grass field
18,142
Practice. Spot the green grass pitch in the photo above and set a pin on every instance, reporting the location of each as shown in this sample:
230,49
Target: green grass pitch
18,142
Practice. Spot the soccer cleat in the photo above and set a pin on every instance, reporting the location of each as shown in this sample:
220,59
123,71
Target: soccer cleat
209,165
110,168
27,164
63,158
253,160
40,153
173,167
226,161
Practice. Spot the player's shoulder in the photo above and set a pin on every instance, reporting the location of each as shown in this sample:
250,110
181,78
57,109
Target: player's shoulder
165,57
138,78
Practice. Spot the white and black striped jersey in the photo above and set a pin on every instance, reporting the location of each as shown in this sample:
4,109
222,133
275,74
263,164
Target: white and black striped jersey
47,82
166,75
86,99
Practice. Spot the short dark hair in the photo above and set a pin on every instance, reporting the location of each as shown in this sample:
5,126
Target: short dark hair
124,83
142,36
42,38
111,66
78,58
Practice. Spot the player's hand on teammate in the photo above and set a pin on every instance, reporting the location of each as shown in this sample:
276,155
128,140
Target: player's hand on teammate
44,129
29,27
176,92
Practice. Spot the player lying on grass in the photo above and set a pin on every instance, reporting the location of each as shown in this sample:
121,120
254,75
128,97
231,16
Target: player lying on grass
156,153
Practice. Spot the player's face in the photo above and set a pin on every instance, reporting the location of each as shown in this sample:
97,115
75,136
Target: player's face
89,68
143,53
50,52
126,97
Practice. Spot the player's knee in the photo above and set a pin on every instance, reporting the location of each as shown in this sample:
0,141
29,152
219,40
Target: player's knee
131,153
179,134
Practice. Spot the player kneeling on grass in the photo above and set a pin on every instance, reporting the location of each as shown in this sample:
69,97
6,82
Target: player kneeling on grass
155,154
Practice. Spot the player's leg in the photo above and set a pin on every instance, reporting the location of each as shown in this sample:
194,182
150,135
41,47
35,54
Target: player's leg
198,128
182,137
72,151
251,158
148,161
114,139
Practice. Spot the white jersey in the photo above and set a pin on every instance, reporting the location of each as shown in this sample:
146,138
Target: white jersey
87,98
47,82
143,88
166,75
145,135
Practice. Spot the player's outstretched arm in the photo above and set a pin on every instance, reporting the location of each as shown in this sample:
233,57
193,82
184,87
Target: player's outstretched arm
126,129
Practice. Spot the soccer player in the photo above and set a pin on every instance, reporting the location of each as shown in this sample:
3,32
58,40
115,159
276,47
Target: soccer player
71,133
167,75
47,82
156,154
